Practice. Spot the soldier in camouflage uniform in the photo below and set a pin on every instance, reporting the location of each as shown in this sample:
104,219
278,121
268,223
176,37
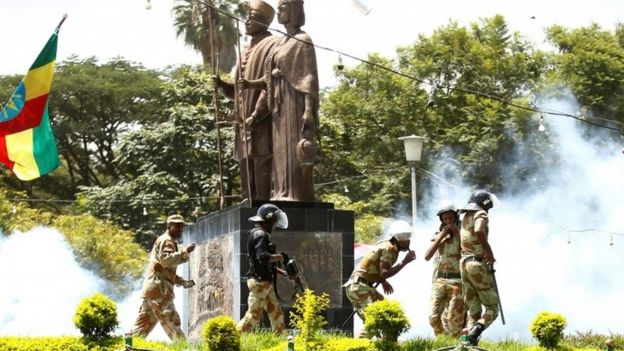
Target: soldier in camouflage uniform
262,259
377,266
476,264
160,278
447,312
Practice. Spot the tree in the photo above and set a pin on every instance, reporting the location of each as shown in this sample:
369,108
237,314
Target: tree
92,106
470,135
168,167
591,64
192,21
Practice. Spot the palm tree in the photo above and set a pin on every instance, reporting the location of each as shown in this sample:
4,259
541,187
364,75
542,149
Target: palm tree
192,20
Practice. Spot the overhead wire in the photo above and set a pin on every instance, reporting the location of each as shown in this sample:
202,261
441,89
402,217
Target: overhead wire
536,109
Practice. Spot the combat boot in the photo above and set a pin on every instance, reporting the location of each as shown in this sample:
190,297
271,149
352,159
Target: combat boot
475,333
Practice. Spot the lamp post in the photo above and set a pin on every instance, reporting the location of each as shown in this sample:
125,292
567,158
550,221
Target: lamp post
413,152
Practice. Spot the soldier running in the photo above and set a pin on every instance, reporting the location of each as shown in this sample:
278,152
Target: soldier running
476,265
160,278
447,312
377,266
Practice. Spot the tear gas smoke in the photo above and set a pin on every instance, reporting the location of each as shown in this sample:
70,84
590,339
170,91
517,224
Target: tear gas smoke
537,269
44,284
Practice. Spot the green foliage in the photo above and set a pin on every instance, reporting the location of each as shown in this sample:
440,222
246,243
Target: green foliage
99,246
96,316
192,22
385,319
105,249
266,341
590,63
71,343
260,341
349,344
592,339
164,165
547,328
307,316
472,139
221,334
367,224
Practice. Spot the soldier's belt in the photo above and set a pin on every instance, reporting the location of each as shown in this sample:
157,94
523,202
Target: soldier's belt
363,281
448,275
473,258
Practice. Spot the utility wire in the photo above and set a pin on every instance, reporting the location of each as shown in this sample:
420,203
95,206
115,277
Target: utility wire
504,101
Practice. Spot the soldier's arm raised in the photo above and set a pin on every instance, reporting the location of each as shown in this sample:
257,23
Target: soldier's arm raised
436,244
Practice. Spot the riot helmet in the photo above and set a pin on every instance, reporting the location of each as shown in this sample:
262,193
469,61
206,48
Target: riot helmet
271,213
400,230
444,207
480,200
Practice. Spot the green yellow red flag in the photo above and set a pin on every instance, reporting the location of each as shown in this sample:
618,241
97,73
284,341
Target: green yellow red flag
27,145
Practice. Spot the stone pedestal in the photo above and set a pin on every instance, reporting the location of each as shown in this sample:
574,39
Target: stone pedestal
319,237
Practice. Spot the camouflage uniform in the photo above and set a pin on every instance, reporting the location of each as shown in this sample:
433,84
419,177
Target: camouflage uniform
477,280
447,305
359,288
260,283
157,290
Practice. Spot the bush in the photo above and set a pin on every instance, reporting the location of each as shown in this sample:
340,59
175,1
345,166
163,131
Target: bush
96,316
385,319
348,344
221,334
547,328
308,318
71,343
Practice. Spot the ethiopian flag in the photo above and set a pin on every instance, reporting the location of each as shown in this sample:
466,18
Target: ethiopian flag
27,145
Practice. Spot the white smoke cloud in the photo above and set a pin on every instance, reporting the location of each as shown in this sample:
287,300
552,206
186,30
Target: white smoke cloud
537,269
43,284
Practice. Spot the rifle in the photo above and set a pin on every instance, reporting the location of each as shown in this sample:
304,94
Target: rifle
500,305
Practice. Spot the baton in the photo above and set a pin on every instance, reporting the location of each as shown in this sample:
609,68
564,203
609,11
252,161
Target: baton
353,312
500,305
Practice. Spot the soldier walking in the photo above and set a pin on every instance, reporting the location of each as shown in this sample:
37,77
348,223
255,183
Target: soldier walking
160,278
377,266
262,259
447,312
476,265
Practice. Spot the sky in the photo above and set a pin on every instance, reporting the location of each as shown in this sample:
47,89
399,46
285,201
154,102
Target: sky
110,28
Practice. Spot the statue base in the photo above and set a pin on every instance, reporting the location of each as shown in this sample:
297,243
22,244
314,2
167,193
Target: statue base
319,237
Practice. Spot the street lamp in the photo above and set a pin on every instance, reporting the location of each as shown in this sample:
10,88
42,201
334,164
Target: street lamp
413,152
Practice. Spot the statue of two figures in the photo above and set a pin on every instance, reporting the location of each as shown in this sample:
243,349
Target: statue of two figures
277,100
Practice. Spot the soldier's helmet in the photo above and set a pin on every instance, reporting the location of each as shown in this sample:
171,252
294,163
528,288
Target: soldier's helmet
400,230
480,200
444,207
270,213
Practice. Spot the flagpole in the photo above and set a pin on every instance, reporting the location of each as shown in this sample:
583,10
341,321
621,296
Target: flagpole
60,23
215,100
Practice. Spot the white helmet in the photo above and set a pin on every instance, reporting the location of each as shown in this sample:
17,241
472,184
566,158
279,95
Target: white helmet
400,230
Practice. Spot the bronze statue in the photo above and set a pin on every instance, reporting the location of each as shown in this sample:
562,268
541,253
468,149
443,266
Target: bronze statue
252,148
291,82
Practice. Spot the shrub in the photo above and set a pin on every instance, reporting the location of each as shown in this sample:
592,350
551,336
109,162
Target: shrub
308,318
221,334
96,316
348,344
385,319
547,328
